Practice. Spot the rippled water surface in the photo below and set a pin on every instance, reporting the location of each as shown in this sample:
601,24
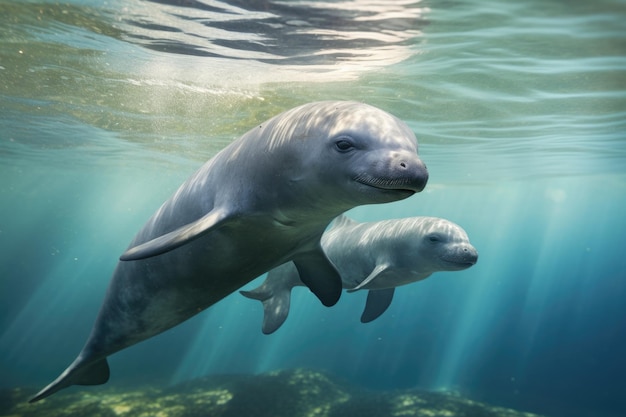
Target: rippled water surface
520,112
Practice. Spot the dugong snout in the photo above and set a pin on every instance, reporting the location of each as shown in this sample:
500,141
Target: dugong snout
470,254
400,171
416,171
408,171
463,257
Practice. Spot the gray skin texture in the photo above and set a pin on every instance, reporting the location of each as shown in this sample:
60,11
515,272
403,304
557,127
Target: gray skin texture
262,201
375,256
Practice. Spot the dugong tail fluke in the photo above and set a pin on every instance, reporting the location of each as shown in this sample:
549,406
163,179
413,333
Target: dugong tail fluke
78,373
275,294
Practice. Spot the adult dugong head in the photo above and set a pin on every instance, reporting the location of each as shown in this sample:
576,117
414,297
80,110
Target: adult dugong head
368,155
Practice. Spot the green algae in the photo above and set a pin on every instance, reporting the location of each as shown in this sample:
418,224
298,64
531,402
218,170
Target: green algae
289,393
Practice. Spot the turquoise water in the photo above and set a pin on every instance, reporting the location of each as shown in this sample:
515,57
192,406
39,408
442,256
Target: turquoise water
520,112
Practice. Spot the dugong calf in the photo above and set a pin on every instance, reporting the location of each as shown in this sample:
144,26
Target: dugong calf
375,256
264,200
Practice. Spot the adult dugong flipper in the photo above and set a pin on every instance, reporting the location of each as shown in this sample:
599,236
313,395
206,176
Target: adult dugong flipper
262,201
375,256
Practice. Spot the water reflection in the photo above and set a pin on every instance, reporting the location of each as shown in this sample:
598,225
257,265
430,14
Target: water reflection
358,34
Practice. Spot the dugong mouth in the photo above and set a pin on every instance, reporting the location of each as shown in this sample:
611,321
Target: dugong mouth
463,262
457,265
408,185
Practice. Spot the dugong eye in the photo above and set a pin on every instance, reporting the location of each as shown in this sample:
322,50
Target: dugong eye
344,144
434,238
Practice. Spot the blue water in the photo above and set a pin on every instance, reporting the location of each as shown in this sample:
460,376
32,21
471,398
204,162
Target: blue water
520,111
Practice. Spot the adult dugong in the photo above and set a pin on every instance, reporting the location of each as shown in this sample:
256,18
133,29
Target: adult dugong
262,201
375,256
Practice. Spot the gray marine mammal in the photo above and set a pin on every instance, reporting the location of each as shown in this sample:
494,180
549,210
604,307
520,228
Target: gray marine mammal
263,200
376,256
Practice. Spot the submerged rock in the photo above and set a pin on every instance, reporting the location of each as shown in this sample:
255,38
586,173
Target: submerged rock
290,393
